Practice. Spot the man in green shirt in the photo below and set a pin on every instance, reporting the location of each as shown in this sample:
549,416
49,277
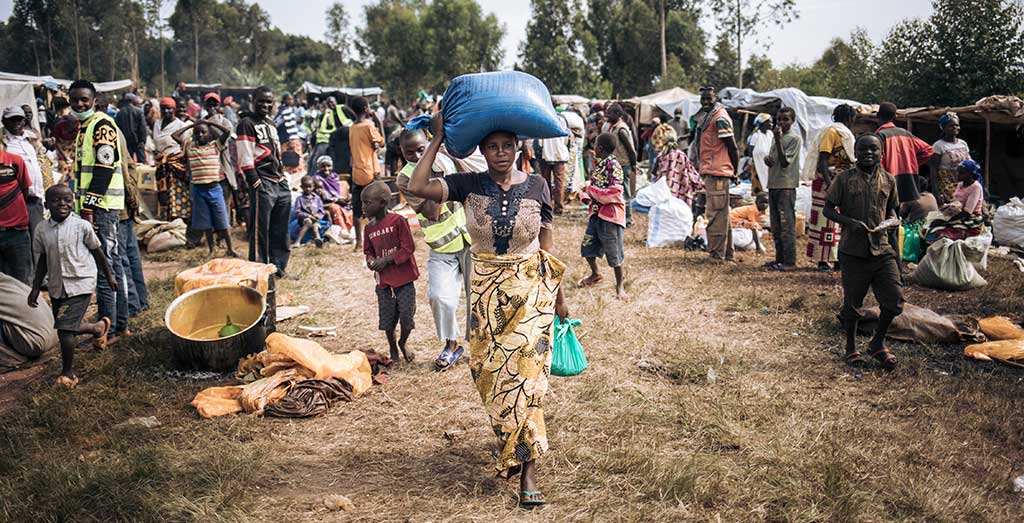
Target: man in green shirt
783,178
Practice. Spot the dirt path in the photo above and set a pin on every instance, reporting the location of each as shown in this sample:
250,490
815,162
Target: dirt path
743,414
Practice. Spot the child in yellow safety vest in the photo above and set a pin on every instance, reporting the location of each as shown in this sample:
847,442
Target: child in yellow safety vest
444,229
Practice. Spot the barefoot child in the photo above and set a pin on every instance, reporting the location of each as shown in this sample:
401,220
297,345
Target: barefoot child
389,251
203,150
607,222
749,217
307,214
866,196
69,252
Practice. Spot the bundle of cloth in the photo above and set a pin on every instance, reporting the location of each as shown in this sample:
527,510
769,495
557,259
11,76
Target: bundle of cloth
293,378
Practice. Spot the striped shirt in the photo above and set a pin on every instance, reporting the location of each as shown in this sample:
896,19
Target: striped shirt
204,162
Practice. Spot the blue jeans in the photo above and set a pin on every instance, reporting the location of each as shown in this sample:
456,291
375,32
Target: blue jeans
16,255
131,261
113,305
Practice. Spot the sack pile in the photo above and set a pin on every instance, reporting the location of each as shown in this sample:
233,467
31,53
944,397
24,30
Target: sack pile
156,235
671,220
1008,224
946,266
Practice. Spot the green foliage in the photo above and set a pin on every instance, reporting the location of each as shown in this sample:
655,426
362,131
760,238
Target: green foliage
409,45
555,48
722,71
626,38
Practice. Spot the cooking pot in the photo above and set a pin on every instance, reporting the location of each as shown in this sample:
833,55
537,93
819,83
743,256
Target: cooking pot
195,318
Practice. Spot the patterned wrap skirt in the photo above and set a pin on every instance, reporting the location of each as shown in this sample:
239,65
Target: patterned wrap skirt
822,234
511,333
173,189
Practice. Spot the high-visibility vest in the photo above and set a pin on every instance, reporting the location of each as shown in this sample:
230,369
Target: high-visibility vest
448,234
328,123
85,155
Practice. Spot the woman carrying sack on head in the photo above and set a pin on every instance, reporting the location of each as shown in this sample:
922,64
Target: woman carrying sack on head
516,293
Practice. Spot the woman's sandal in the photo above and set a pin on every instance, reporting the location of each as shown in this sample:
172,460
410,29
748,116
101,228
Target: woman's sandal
824,267
884,357
854,359
66,382
589,281
448,358
531,498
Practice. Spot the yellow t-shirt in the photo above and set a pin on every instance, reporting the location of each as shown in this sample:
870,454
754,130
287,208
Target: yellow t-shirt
830,140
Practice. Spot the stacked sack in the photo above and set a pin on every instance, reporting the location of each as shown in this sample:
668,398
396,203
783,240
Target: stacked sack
156,235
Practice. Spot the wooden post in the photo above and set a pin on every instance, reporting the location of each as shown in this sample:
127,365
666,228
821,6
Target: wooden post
743,132
988,153
910,126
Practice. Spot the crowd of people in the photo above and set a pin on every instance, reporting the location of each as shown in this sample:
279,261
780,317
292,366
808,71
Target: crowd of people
295,173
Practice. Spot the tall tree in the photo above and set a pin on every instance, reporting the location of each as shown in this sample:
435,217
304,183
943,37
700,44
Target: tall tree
742,20
722,70
461,39
338,34
625,33
554,49
395,49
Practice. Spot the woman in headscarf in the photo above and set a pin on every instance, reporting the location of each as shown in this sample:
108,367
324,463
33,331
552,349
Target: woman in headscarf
835,155
950,150
963,216
334,193
173,191
759,146
683,179
516,293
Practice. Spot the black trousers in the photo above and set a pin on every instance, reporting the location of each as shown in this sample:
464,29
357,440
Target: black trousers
880,274
270,208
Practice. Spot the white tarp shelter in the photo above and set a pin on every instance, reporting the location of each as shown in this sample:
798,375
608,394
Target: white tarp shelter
53,83
312,88
667,100
19,94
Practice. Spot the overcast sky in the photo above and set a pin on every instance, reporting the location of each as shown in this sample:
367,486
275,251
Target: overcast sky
802,41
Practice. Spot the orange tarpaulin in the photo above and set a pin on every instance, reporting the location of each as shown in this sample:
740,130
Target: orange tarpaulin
999,328
286,362
996,350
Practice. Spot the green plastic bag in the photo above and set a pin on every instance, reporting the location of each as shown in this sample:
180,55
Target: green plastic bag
912,245
567,358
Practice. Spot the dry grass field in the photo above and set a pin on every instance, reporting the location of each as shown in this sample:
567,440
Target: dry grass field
783,433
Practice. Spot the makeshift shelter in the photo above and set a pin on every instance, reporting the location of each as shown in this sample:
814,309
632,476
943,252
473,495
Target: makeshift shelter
55,83
19,94
646,107
994,129
310,88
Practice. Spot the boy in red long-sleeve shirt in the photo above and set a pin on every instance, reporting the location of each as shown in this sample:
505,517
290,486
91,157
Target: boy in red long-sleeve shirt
390,252
604,196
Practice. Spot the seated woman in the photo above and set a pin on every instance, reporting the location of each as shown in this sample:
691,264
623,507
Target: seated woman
334,194
962,217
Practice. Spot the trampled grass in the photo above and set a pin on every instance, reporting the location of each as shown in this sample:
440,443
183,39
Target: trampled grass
784,432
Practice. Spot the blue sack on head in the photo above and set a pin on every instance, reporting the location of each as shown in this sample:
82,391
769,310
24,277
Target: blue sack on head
476,105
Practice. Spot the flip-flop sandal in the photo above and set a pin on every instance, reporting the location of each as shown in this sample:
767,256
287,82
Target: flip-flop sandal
66,382
886,358
590,282
772,266
409,356
100,342
824,267
448,358
854,359
526,502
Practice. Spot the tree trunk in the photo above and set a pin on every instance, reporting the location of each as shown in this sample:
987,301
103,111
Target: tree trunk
739,46
195,52
78,46
664,53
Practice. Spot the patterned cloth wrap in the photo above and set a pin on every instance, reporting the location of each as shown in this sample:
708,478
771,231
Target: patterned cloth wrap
512,328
